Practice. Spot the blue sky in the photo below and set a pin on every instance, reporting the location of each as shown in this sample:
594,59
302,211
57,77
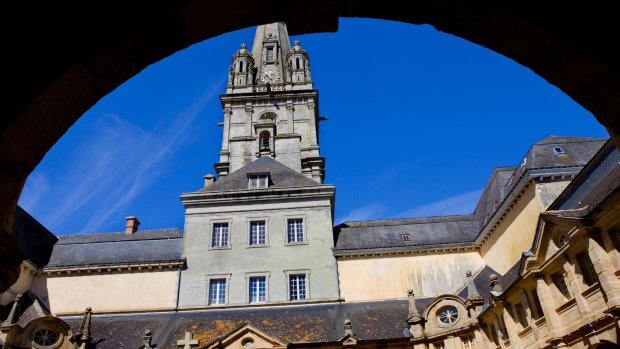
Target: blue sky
417,121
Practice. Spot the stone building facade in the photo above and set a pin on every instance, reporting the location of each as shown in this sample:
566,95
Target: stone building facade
259,263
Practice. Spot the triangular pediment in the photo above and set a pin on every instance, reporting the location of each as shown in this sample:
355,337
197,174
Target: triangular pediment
247,336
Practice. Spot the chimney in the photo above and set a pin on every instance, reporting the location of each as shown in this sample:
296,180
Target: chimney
209,179
131,225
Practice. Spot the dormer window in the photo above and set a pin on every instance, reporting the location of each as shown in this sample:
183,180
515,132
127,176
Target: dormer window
258,181
558,151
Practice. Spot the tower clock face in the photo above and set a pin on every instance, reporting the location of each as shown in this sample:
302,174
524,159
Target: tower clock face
269,76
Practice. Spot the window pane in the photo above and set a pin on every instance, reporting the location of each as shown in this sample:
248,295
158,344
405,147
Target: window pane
295,230
257,233
297,287
220,235
217,291
258,289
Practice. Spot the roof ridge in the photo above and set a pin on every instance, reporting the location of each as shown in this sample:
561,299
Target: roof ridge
418,220
60,236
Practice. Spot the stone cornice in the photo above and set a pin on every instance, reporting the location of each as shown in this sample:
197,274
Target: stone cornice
198,198
404,251
114,267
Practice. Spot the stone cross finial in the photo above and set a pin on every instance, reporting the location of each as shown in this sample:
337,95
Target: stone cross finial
296,42
187,342
244,45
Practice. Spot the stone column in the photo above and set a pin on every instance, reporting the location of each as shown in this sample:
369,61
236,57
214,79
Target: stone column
512,329
574,284
498,331
248,119
289,115
528,313
312,123
226,131
614,254
547,303
604,270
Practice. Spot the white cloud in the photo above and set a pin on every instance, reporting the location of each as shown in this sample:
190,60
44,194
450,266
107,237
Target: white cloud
113,167
38,186
464,203
374,210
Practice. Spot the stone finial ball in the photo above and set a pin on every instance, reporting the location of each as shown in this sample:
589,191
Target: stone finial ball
347,322
89,309
493,277
410,291
147,332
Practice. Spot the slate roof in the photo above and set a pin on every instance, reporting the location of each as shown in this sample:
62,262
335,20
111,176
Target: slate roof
377,235
30,308
281,176
33,238
597,180
295,324
143,246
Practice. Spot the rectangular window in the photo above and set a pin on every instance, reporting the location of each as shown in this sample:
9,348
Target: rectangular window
269,56
521,315
587,269
258,181
560,284
258,289
220,235
257,233
468,342
217,291
297,287
295,230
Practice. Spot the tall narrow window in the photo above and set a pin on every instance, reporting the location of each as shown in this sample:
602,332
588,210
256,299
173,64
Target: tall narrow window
220,235
217,291
587,269
257,233
265,141
297,63
240,66
295,230
560,284
258,289
297,287
270,55
494,336
521,315
258,181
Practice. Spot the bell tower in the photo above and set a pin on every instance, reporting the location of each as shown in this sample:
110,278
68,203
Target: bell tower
271,106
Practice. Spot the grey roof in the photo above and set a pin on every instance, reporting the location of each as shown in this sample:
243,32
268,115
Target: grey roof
541,156
143,246
281,176
30,308
294,324
597,180
423,233
34,239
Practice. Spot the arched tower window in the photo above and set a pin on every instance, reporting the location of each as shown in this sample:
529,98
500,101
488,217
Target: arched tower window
240,66
264,139
297,63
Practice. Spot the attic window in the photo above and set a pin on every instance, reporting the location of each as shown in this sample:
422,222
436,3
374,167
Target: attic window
405,237
558,151
258,181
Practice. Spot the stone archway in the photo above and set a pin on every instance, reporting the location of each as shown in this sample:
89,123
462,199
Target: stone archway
72,54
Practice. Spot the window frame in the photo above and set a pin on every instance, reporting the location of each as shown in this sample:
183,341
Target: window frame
214,277
295,272
260,177
249,277
249,221
212,225
304,225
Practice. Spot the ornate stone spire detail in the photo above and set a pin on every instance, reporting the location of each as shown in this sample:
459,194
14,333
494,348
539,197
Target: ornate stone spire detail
414,316
14,313
496,285
146,341
349,339
187,342
472,292
82,338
